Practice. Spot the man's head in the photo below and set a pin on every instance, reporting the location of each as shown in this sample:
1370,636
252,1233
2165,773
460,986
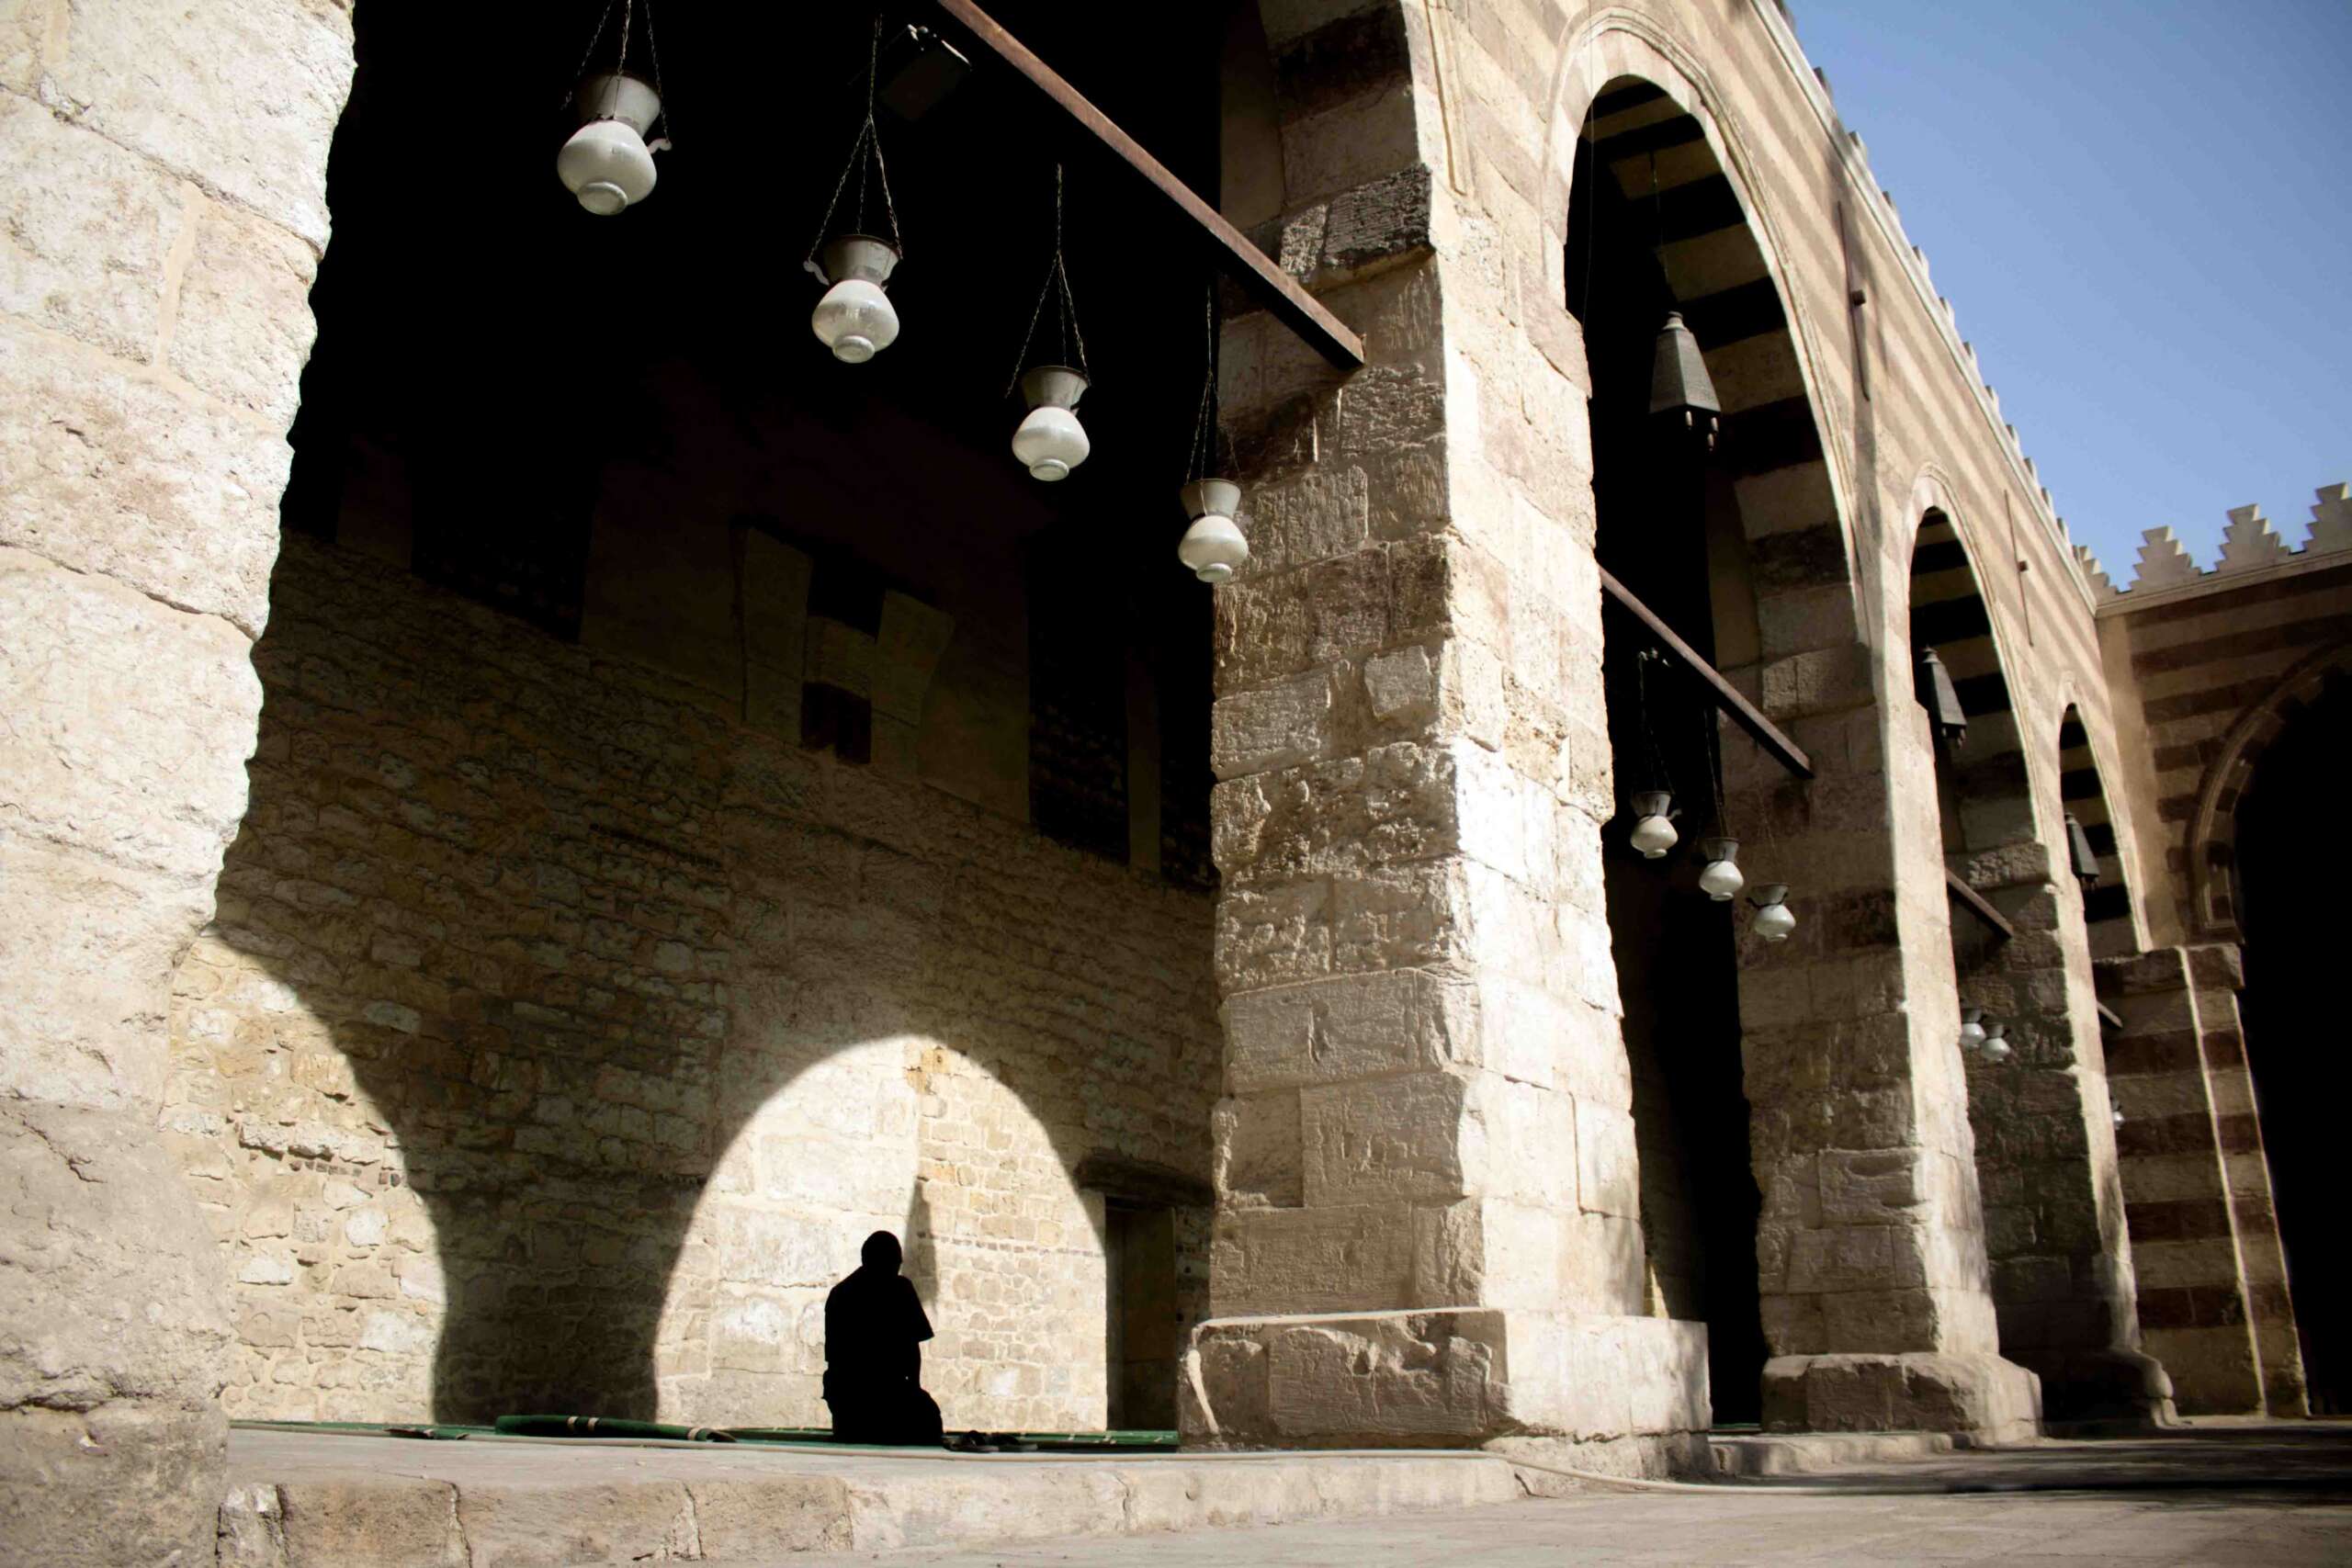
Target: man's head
880,1253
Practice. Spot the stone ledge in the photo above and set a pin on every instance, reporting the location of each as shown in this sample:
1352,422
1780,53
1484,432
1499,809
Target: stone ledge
1462,1376
1976,1396
304,1500
1812,1454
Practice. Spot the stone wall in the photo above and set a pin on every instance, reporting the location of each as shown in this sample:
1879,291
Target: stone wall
2219,664
2216,661
162,213
560,1039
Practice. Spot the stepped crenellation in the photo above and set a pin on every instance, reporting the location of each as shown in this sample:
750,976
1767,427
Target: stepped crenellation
2248,544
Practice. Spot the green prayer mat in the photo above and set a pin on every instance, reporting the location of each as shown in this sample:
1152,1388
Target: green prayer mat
1116,1442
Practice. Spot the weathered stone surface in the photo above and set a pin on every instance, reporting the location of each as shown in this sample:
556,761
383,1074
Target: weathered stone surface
731,1006
514,1526
1276,727
241,98
88,226
1417,1376
112,1343
117,701
124,478
241,322
252,1532
373,1524
1990,1399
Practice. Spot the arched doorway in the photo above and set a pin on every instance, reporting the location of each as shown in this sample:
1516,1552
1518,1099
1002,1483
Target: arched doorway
2037,1103
666,725
1712,537
2107,896
2288,911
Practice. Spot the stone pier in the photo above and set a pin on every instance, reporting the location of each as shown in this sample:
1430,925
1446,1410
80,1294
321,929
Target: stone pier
165,213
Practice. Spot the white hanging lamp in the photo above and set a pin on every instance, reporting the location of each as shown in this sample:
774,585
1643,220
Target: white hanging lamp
1774,920
1971,1028
1720,879
855,319
1050,441
1997,1042
1213,548
1654,831
1653,805
607,163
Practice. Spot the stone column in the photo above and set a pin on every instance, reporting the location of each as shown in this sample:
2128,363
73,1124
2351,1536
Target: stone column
1877,1303
2218,971
2046,1161
164,196
2212,1286
2184,1239
1426,1225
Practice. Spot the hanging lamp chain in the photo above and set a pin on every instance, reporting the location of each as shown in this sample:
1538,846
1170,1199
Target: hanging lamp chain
865,150
1661,779
1065,310
653,53
1201,457
620,56
1714,755
580,71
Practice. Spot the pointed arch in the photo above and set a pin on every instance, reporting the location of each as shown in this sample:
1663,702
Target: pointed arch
2212,830
2107,902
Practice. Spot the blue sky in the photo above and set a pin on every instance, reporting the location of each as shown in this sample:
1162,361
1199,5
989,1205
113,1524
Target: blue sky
2141,212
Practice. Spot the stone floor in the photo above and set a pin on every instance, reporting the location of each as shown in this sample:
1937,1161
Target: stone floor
2247,1497
1622,1529
2240,1494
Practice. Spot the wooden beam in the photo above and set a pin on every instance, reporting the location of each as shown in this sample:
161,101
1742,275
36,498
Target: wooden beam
1744,713
1976,904
1276,289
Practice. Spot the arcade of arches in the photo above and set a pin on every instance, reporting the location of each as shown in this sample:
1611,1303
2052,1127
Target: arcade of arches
498,902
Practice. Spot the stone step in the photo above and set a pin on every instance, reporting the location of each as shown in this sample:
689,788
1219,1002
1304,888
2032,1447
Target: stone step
315,1500
1813,1453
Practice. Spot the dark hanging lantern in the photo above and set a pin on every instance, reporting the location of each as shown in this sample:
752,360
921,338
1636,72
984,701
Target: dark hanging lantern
1680,384
2078,847
1942,699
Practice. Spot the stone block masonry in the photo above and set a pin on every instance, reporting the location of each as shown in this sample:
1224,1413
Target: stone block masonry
560,1039
162,212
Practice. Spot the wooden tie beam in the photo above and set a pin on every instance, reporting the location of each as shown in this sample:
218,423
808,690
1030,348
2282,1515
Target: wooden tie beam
1273,287
1976,904
1744,713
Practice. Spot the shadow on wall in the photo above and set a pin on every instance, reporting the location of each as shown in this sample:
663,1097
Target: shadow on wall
516,941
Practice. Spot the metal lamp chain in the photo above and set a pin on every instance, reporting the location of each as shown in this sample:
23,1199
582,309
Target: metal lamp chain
1715,754
1066,310
1649,734
1203,452
653,50
866,144
580,71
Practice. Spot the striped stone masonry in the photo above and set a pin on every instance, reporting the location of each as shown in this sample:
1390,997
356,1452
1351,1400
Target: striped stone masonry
2249,544
2213,1298
2045,1160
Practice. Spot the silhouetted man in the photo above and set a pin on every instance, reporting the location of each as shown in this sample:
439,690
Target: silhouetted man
874,1332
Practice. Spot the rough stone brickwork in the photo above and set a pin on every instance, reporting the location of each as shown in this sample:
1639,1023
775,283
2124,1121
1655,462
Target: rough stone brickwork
559,1041
2220,662
162,213
563,1027
2045,1158
1428,1226
2176,1141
